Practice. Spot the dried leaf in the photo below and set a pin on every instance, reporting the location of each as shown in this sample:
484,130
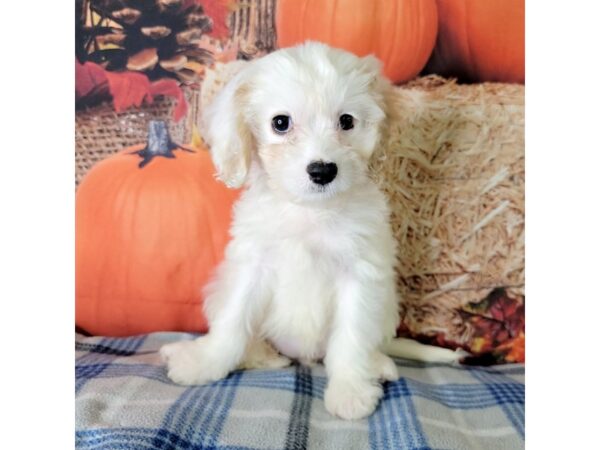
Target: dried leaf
170,88
497,330
132,89
128,89
498,322
89,77
513,350
218,11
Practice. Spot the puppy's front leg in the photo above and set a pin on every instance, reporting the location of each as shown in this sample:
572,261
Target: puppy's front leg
360,325
211,357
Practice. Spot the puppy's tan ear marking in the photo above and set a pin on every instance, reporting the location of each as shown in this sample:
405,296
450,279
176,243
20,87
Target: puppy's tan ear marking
227,133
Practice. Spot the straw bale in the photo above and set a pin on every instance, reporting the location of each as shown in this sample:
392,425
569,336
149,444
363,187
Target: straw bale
452,167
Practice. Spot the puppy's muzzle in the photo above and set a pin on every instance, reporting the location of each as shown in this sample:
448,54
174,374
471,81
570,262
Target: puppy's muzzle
321,172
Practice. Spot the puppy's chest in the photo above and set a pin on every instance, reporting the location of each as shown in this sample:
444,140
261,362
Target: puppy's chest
302,305
319,236
306,265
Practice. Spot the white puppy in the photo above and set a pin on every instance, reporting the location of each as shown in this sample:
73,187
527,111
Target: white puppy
309,272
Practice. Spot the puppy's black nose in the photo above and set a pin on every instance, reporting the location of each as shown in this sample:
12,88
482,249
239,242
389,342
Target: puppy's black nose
321,172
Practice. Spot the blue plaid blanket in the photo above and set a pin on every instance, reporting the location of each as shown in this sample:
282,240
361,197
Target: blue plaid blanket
124,400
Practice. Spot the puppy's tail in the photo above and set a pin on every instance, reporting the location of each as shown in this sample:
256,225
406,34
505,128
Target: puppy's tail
409,349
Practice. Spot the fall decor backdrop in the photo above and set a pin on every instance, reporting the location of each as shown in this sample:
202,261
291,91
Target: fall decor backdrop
452,166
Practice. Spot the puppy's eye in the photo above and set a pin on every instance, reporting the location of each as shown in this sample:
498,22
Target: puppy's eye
346,122
281,124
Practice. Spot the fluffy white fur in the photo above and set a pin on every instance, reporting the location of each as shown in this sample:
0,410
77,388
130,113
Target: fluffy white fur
309,272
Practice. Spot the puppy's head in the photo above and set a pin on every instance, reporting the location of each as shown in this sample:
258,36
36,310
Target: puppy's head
309,115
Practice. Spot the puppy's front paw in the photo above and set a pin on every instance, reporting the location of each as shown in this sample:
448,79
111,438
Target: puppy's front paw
385,367
189,363
352,399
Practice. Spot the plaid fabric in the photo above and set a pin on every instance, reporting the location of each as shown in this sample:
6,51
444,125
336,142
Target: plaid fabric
124,400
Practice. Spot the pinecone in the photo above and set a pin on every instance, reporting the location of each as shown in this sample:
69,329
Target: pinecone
157,37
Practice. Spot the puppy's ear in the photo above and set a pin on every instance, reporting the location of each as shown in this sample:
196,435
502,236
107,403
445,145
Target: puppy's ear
382,90
225,129
380,86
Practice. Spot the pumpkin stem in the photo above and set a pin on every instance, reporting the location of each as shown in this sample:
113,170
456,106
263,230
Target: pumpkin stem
159,143
159,140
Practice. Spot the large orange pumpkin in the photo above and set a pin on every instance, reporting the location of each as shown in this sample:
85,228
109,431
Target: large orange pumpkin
399,32
151,225
480,40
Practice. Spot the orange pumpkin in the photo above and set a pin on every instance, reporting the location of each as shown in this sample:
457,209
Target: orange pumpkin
480,40
399,32
151,225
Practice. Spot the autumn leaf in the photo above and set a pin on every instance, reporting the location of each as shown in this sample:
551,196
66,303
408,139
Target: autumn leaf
89,78
479,345
496,330
132,89
170,88
498,324
218,11
513,350
128,89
